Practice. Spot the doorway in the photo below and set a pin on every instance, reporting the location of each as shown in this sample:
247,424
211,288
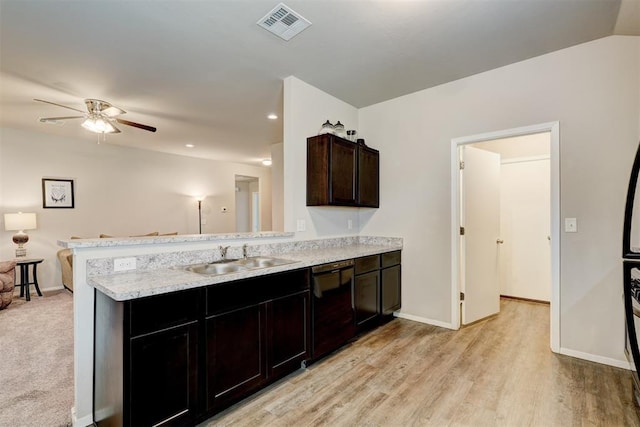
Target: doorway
460,204
247,204
523,247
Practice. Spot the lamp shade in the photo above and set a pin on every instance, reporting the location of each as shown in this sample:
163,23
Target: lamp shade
19,221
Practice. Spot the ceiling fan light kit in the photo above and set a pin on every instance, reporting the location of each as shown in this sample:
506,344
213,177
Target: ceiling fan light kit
99,125
99,117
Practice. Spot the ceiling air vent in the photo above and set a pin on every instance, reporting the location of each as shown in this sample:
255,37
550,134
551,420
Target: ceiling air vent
283,22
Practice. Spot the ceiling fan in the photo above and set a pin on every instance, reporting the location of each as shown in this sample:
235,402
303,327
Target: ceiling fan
99,117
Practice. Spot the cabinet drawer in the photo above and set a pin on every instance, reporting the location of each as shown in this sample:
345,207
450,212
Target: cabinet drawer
367,263
163,311
390,258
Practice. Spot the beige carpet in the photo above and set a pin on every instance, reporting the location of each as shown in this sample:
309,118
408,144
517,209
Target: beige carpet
36,361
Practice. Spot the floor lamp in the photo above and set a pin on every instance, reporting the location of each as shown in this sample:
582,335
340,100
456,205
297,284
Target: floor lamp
199,199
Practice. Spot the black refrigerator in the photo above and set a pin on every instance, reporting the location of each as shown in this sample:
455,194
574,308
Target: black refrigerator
631,274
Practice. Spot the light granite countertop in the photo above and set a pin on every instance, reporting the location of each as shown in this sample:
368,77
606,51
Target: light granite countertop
132,285
160,240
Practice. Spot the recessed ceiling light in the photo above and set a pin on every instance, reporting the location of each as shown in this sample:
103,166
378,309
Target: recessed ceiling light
189,145
272,117
266,162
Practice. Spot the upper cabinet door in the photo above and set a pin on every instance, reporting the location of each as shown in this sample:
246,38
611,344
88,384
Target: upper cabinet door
318,170
343,163
368,177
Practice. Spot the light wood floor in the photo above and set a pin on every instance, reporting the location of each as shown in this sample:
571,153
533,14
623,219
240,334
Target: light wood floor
496,372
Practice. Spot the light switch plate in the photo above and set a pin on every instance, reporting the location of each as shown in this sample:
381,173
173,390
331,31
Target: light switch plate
570,225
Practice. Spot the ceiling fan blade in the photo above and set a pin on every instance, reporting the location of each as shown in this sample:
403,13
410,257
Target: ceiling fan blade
112,111
58,105
55,119
116,130
136,125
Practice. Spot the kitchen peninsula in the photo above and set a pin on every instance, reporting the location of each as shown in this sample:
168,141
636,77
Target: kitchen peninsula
159,277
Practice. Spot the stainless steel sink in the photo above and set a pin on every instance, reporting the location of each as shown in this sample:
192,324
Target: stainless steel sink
215,268
263,262
233,266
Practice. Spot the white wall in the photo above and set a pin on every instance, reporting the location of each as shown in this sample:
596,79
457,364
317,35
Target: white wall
305,110
119,191
277,187
592,90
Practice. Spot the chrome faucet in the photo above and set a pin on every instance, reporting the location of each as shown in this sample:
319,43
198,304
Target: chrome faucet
244,251
223,252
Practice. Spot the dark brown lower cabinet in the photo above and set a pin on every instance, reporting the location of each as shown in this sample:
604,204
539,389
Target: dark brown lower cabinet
390,283
366,292
250,346
163,377
146,373
366,300
178,358
390,287
290,339
235,354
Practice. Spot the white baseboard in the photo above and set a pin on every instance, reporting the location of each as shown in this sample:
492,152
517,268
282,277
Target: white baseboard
624,364
423,320
53,288
85,421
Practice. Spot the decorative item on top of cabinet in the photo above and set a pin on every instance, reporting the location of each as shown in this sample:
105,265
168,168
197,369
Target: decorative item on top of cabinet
341,173
327,127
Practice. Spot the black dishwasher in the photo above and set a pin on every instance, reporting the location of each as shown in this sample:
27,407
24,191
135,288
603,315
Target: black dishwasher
332,308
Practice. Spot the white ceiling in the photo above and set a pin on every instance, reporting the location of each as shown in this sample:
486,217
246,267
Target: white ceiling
204,73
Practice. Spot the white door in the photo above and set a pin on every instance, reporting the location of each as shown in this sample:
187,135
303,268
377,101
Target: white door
480,217
525,256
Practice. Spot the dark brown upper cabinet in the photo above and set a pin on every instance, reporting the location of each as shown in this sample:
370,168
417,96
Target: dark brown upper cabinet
342,173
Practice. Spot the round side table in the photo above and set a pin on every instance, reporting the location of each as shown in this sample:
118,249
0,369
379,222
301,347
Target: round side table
25,283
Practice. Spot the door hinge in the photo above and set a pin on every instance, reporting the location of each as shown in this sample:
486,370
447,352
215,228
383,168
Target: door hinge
461,296
461,164
462,231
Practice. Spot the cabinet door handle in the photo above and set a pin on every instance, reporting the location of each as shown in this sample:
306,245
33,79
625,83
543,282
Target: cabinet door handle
499,241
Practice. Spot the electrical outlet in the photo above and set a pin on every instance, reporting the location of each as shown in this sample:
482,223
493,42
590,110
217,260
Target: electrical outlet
301,225
124,264
349,224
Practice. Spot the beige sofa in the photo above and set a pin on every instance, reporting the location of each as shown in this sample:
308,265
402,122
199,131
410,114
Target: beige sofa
65,258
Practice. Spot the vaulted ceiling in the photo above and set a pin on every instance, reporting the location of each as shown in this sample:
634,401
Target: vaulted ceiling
204,73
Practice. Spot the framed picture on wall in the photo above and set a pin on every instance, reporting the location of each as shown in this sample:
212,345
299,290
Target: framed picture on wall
57,193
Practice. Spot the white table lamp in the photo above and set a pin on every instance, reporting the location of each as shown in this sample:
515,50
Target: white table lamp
20,222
